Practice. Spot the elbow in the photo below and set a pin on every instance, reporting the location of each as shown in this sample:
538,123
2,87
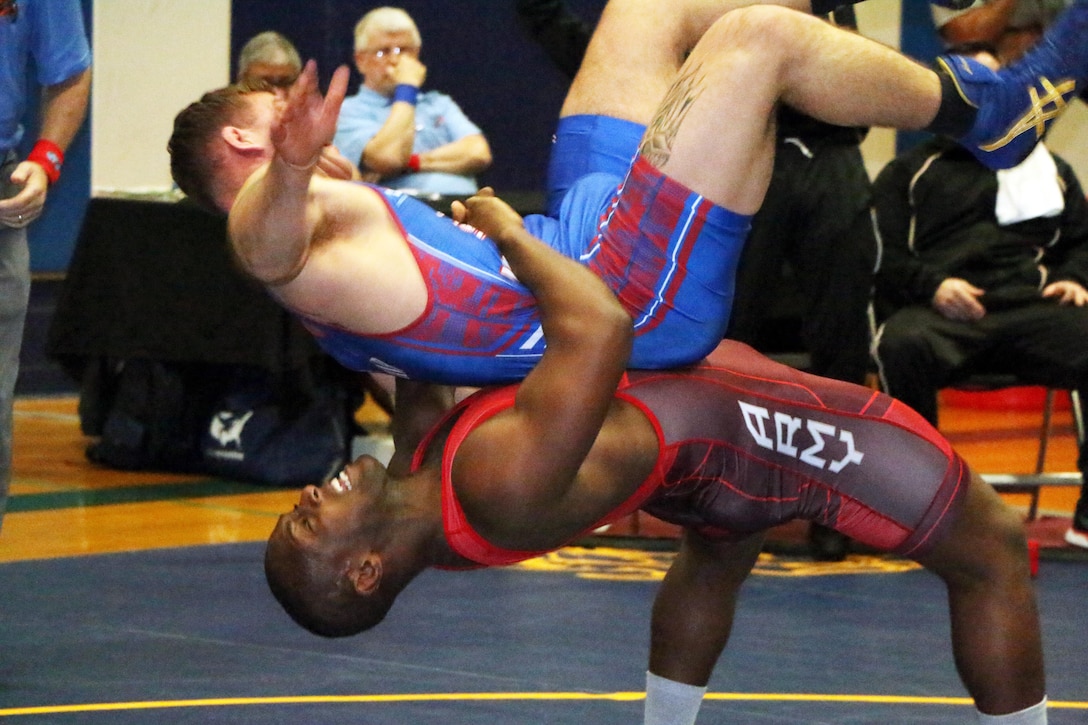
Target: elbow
607,339
384,163
600,329
611,323
479,156
382,166
616,329
484,160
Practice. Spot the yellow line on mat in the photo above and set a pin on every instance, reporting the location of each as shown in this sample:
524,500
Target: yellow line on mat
480,696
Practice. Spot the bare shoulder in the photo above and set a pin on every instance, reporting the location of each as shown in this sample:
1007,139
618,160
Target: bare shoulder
356,271
346,198
519,495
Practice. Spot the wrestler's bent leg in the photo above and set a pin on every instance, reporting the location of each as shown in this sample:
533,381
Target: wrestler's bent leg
636,51
714,133
693,611
983,560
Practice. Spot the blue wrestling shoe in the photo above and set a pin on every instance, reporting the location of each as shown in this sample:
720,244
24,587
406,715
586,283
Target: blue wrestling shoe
1017,103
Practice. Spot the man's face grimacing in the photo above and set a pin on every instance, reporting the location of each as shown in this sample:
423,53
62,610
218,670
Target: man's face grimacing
329,517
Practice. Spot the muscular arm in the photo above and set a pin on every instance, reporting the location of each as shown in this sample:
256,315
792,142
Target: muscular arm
274,217
516,473
64,107
272,222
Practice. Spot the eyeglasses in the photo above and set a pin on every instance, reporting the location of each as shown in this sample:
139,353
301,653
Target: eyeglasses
394,51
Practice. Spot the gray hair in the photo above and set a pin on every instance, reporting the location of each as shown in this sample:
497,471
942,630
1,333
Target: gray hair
268,47
385,20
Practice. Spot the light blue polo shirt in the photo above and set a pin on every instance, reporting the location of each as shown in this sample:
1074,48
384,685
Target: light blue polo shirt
439,121
50,31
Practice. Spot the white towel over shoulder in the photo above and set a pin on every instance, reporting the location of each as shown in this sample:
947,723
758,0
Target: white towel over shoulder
1030,190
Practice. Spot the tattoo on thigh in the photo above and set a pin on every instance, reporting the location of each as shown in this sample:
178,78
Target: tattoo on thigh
657,144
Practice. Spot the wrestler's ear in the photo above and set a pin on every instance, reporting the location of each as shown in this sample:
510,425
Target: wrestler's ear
365,573
238,138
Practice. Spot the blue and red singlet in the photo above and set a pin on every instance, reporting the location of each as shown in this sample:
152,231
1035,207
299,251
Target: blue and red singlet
669,254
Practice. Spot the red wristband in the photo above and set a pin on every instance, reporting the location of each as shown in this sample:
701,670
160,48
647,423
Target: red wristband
49,156
413,163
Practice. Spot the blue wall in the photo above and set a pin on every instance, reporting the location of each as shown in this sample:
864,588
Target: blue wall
918,39
474,50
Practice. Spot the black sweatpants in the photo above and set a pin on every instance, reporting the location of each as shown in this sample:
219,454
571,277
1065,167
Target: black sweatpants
919,351
816,220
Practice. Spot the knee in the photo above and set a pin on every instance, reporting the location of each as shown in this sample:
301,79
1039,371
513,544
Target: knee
768,29
991,547
1005,554
898,342
775,25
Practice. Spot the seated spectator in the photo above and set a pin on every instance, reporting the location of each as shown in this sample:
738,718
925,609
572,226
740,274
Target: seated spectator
407,139
982,270
269,57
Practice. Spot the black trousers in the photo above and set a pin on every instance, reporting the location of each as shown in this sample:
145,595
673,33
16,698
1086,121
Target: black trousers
811,255
919,351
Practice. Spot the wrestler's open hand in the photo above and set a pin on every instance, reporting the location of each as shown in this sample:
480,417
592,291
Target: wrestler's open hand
307,120
488,213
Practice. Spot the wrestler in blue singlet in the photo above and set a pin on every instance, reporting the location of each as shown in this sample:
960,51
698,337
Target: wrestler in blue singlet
668,254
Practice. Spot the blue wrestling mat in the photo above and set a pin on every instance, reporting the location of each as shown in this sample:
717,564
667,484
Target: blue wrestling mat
192,636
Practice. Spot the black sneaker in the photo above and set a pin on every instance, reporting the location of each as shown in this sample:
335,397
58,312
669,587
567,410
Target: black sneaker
1077,535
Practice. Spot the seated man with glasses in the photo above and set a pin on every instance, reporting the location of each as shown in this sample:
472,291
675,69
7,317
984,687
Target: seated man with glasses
400,137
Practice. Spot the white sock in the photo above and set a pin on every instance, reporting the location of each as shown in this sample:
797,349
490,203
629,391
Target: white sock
1034,715
669,702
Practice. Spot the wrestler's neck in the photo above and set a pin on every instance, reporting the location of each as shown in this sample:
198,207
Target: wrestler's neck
418,523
